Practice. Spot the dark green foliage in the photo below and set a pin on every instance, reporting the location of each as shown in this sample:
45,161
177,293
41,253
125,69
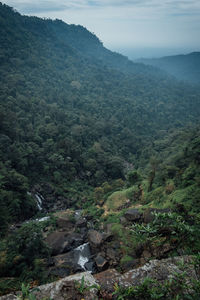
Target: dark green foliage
179,231
22,251
8,285
134,177
72,110
174,175
184,230
15,203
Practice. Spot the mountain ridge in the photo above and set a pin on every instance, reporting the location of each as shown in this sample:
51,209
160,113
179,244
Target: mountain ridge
183,66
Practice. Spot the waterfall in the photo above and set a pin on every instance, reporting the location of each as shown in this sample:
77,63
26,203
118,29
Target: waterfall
42,219
82,255
39,199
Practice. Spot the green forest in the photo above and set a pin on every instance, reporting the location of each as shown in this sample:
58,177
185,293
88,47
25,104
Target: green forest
89,129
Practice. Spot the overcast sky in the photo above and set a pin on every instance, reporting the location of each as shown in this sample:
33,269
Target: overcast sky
135,26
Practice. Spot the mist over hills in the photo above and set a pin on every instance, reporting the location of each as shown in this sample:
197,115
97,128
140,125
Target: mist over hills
183,67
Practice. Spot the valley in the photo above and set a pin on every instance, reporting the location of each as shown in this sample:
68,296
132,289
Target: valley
99,168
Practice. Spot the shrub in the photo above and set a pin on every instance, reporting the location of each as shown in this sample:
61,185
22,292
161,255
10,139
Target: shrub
22,249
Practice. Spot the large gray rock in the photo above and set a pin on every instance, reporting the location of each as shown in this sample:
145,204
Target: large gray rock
61,242
58,242
61,290
95,238
64,265
159,270
67,288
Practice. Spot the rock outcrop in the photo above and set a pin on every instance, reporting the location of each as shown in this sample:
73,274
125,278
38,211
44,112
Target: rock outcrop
68,288
85,286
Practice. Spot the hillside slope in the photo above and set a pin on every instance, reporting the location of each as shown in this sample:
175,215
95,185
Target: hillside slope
68,119
92,148
183,67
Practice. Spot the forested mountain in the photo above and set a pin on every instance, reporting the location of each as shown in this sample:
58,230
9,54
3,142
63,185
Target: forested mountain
72,111
183,67
116,142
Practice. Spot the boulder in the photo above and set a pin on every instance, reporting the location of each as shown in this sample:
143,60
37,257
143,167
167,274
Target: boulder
159,270
90,266
76,239
65,220
107,237
79,259
71,288
82,222
58,242
106,281
108,228
95,238
61,242
133,215
64,265
68,288
101,263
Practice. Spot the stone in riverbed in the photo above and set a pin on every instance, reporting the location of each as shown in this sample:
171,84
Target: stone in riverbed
58,242
95,238
61,242
101,263
64,265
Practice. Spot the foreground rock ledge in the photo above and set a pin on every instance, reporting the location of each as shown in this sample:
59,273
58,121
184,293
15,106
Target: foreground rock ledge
69,287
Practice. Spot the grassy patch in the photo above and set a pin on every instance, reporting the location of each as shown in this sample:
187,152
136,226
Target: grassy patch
119,198
126,259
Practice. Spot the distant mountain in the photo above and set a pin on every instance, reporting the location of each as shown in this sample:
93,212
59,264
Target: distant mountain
183,67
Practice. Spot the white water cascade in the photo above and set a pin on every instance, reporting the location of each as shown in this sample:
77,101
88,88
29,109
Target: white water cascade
39,199
82,254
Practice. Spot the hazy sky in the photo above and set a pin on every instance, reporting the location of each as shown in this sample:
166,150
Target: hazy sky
128,25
